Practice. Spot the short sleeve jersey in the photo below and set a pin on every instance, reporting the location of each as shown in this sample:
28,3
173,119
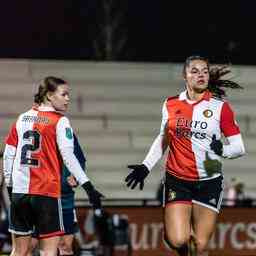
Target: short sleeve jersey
190,128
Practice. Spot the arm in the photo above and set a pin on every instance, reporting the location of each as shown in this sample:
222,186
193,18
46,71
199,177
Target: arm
235,148
8,159
160,144
70,179
65,141
9,155
141,171
231,131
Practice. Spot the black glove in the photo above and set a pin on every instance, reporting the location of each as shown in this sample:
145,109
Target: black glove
216,146
93,195
9,189
138,175
212,166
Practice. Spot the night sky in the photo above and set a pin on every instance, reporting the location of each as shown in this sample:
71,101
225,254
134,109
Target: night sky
151,31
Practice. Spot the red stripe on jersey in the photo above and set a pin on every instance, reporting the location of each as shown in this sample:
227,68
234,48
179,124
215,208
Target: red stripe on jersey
181,160
45,179
12,137
227,121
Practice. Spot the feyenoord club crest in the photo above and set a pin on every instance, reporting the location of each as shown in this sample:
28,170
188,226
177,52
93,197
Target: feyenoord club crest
208,113
171,195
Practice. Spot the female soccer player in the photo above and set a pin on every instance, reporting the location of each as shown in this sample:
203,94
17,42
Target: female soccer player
192,125
36,147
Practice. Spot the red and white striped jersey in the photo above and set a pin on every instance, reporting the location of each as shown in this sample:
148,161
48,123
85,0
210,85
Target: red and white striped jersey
37,139
190,128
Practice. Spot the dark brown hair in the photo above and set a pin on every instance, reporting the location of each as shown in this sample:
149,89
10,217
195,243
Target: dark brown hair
216,85
49,84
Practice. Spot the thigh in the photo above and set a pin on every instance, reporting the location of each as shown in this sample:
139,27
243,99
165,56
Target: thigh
177,222
178,206
21,215
204,222
21,244
49,245
49,219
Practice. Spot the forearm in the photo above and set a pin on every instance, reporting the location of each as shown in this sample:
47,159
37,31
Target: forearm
235,148
156,152
8,160
73,165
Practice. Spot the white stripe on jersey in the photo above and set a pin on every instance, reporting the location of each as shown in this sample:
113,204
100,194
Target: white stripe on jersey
21,176
205,126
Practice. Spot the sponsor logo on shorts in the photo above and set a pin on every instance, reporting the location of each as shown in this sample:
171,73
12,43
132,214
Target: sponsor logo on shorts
213,201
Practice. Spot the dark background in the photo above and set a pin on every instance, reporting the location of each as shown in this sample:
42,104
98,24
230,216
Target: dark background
153,31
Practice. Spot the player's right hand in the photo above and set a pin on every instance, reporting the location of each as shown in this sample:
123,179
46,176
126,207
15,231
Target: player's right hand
93,195
137,176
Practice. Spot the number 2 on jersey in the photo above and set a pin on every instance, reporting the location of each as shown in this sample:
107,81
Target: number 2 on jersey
33,144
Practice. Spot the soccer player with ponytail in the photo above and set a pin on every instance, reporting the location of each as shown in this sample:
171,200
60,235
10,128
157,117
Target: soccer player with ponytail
193,124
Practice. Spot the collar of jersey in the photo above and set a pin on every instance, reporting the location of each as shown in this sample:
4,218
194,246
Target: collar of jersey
46,108
207,96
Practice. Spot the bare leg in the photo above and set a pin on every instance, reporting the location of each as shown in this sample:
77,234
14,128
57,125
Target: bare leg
21,245
177,221
204,222
49,246
13,245
66,245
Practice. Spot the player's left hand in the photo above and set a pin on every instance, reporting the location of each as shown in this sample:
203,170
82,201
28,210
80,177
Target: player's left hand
216,146
93,195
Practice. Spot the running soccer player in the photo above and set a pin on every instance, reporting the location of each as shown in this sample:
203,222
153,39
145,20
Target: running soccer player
192,125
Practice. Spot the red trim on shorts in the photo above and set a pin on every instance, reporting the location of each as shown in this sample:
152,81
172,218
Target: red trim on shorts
178,202
58,233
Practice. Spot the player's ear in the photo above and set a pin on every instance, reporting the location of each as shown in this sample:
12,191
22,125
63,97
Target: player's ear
48,96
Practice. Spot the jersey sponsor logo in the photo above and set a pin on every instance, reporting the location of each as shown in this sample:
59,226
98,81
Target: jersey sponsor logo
69,133
208,113
188,134
184,125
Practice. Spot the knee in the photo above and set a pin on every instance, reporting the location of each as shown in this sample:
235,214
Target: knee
176,242
65,248
201,245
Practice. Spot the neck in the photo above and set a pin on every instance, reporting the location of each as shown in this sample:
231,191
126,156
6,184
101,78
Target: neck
46,104
196,96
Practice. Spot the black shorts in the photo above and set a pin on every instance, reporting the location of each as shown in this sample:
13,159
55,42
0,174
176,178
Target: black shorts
207,193
70,221
36,213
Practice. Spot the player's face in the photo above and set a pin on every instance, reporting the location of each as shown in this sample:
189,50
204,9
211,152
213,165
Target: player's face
197,76
60,98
